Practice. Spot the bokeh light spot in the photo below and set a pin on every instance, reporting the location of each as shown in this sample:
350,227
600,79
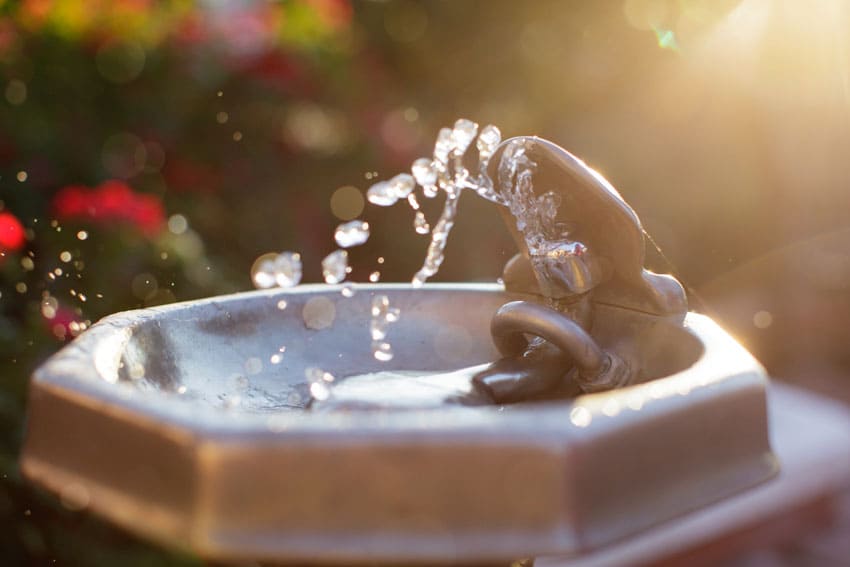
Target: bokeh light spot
177,224
347,202
314,128
319,313
763,319
16,92
144,286
124,155
120,61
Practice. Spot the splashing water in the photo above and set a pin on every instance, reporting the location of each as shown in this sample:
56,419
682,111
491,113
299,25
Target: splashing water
320,382
335,267
535,216
446,171
382,316
283,270
549,245
352,233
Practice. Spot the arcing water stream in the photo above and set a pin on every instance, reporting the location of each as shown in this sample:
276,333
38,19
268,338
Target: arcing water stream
445,172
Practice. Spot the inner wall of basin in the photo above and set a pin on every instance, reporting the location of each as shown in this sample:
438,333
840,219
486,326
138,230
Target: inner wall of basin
253,353
255,350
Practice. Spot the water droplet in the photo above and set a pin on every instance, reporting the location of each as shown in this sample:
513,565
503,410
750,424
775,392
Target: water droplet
335,266
430,191
444,145
275,358
381,194
462,135
375,276
65,256
263,276
319,391
487,142
21,176
281,304
352,233
82,235
382,351
347,290
420,223
580,416
413,201
378,329
287,269
380,259
282,269
380,304
402,185
424,172
319,381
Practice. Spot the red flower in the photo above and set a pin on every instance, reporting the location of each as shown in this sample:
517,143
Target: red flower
12,235
113,201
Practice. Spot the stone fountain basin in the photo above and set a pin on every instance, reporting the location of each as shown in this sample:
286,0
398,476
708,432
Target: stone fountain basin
174,423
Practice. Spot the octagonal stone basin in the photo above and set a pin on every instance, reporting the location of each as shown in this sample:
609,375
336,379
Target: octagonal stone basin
175,423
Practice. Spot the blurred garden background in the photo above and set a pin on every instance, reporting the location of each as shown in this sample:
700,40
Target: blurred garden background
150,151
